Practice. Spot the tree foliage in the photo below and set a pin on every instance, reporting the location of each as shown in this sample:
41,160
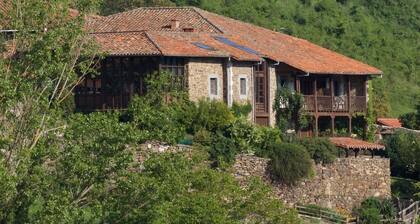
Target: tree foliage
177,189
321,150
403,149
288,106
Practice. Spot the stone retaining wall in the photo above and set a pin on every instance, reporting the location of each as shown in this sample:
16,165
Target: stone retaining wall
341,186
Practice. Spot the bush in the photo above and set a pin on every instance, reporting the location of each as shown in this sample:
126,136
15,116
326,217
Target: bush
164,113
222,151
370,216
320,149
289,110
203,137
241,110
243,134
265,139
373,209
290,163
157,122
212,116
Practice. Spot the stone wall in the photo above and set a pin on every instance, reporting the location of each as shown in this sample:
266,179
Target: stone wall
200,70
342,185
243,70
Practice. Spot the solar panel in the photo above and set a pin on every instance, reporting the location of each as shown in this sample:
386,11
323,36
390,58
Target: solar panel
235,45
203,46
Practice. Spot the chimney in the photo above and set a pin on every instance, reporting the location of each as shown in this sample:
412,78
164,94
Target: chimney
174,24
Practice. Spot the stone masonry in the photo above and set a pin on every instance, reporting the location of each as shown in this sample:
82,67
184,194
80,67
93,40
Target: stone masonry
341,186
199,73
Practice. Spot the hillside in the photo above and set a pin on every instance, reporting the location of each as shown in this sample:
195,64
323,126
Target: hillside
384,34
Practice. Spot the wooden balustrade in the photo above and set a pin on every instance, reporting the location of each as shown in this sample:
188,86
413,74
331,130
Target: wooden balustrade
334,104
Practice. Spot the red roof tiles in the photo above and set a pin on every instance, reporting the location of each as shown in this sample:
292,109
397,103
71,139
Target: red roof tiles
298,53
155,19
390,122
351,143
132,43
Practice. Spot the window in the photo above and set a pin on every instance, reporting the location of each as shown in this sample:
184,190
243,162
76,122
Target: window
175,66
213,86
286,81
242,87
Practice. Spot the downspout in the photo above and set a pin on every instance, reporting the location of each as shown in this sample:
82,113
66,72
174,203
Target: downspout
229,73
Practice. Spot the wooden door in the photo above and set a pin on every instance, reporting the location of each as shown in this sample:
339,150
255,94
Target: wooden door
261,94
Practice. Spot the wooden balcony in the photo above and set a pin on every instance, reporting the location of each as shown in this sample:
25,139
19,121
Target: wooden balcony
339,104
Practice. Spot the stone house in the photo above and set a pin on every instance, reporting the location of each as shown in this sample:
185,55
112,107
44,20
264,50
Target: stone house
223,59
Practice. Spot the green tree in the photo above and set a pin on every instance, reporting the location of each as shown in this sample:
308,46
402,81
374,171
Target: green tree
177,189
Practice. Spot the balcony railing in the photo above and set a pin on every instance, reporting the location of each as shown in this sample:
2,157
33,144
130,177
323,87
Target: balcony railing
335,104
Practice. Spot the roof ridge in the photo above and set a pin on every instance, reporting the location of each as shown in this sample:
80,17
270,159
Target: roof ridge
111,32
153,42
152,8
198,11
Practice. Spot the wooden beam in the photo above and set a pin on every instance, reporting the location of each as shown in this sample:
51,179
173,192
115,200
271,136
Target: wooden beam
350,127
348,94
315,97
332,93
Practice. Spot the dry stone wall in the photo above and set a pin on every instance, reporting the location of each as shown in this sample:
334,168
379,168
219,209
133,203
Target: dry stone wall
341,186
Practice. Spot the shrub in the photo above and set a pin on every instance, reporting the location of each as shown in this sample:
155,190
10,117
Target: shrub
370,216
265,139
202,137
157,122
320,149
289,110
241,110
373,209
222,151
243,134
164,113
212,115
290,163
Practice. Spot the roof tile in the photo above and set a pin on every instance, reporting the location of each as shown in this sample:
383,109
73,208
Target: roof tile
298,53
390,122
351,143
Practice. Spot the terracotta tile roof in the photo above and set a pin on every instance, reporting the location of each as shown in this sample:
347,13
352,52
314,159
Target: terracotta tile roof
132,43
251,43
390,122
351,143
155,19
185,44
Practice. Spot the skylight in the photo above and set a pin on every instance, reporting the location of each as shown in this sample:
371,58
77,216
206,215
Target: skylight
203,46
235,45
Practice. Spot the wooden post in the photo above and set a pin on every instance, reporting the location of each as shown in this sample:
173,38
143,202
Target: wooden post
316,126
332,125
332,93
348,95
350,127
297,84
315,97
